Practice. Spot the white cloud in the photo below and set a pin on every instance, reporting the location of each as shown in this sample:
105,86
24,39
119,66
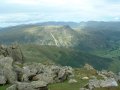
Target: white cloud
69,9
22,2
36,2
117,18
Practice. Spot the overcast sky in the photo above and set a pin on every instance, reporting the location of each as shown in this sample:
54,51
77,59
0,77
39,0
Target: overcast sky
58,10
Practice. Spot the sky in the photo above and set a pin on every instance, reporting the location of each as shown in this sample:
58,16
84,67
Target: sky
32,11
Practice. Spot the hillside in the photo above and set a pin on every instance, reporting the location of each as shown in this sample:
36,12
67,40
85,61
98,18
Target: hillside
100,42
63,56
43,35
86,36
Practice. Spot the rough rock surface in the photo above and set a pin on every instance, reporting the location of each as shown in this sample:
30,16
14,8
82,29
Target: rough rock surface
28,76
109,82
7,69
49,74
3,80
13,51
105,73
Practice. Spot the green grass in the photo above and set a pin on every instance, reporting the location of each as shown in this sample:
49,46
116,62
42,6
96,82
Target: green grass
110,88
112,54
79,73
63,56
67,86
3,87
73,86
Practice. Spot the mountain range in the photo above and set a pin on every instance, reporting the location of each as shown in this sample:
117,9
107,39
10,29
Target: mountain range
75,44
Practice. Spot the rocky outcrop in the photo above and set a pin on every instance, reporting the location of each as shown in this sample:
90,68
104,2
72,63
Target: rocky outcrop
26,76
3,80
105,74
13,51
7,69
102,83
103,79
37,76
109,82
35,85
34,76
49,74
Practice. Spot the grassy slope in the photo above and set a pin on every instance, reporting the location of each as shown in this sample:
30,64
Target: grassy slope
63,56
112,54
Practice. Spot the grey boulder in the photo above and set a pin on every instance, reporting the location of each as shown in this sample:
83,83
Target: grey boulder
3,80
8,70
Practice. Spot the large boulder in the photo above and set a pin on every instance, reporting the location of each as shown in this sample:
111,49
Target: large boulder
3,50
1,56
44,77
109,82
30,70
8,70
13,51
3,80
40,85
64,73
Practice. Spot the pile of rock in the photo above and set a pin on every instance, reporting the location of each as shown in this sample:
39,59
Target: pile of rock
24,76
108,79
34,85
95,83
49,74
106,74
